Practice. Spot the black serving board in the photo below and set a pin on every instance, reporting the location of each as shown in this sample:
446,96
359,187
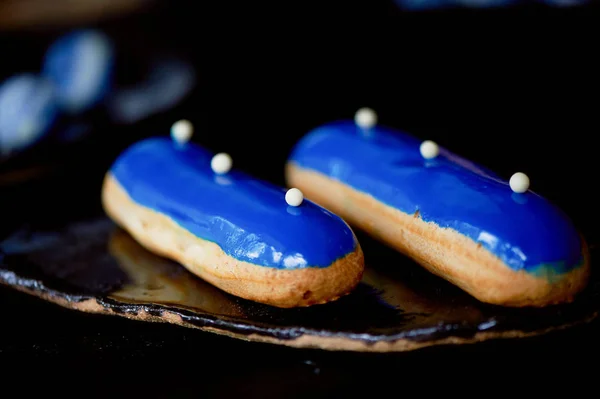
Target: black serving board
91,265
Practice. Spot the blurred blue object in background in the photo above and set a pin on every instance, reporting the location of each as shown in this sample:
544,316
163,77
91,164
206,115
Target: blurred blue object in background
28,109
485,3
435,4
565,3
422,4
80,64
168,82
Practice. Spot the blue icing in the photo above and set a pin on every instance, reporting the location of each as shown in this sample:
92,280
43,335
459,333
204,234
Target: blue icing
80,64
28,109
248,218
525,231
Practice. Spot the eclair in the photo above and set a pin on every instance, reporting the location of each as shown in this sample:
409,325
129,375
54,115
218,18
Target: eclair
246,236
493,237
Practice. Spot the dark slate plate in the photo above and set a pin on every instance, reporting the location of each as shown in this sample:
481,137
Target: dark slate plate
93,266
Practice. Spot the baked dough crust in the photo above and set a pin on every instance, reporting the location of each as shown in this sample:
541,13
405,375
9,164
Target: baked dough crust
276,287
442,251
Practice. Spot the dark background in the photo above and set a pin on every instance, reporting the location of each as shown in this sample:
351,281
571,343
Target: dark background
515,89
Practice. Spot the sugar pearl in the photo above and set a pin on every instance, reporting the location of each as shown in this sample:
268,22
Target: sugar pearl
365,118
294,197
221,163
429,149
181,131
519,182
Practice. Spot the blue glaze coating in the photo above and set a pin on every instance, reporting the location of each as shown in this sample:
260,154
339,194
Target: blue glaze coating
248,218
28,109
525,231
80,64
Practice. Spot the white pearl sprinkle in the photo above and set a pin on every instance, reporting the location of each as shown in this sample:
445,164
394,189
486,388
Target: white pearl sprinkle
294,197
365,118
221,163
429,149
181,131
519,182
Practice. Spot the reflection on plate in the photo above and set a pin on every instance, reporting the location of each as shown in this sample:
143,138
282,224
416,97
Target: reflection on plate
155,280
94,266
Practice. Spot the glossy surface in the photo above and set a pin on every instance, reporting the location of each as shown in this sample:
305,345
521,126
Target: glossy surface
80,66
248,218
28,110
525,231
93,260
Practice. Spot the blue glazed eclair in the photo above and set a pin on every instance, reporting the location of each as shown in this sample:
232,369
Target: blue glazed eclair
496,239
28,110
80,65
245,236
